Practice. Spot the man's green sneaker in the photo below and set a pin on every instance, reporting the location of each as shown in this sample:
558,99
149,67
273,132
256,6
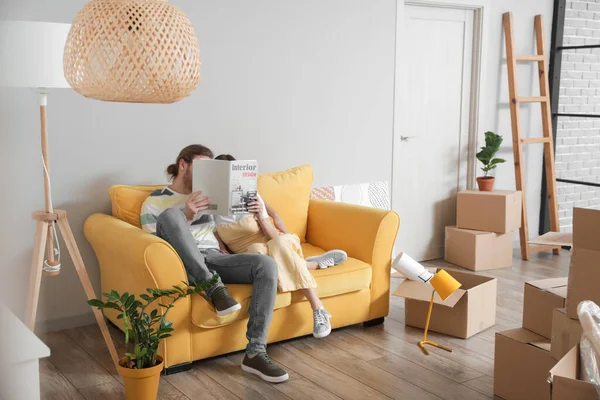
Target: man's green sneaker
262,366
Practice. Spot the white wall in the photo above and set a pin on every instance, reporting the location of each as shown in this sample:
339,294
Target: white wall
286,82
495,111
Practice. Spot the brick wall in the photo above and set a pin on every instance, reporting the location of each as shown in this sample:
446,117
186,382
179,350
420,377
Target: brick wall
578,139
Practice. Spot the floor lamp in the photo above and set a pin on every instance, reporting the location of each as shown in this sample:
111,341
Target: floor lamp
441,282
31,56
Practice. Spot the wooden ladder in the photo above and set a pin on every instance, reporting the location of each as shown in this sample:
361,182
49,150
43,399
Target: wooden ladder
518,141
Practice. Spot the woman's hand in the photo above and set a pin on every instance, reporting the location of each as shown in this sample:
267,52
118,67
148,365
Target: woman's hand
195,203
256,207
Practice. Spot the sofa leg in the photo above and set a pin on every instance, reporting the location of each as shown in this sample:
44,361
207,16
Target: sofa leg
373,322
175,369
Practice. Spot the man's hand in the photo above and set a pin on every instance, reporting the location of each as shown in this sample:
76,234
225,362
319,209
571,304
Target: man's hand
256,207
195,203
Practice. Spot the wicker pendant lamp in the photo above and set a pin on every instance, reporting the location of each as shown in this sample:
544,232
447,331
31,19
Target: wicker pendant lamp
139,51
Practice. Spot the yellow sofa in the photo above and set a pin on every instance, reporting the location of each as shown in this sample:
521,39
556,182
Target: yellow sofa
356,291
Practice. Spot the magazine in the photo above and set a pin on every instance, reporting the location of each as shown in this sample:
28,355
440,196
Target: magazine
229,185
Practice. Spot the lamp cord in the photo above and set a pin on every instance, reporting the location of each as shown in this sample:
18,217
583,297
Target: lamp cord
53,223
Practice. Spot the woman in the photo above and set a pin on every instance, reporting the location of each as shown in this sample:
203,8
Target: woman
257,234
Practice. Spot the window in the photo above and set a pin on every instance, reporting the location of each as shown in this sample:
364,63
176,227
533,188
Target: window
575,102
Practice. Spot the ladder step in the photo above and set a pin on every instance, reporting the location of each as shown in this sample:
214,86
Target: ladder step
535,140
533,99
536,248
530,57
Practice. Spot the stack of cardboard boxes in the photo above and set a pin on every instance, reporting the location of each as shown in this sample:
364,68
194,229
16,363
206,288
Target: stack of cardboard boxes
483,236
482,239
522,358
546,345
584,284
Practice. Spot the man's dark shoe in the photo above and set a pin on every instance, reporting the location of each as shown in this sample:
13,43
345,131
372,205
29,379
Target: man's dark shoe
224,304
262,366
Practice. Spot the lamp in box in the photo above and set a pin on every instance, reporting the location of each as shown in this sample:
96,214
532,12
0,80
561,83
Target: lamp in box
442,282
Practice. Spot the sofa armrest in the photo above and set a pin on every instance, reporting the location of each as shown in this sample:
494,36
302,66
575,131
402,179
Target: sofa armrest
132,260
365,233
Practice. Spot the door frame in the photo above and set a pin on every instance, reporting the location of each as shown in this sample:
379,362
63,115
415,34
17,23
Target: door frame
481,10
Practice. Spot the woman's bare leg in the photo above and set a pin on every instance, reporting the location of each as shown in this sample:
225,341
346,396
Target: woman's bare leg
312,297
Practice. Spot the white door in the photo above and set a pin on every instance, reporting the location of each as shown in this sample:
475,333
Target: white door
431,136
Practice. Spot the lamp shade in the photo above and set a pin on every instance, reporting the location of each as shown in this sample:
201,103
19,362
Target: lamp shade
411,269
31,54
444,284
141,51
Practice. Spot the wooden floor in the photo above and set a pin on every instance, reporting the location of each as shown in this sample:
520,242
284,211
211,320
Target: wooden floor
352,363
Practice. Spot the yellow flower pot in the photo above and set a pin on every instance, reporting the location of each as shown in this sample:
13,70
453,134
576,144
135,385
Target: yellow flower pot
141,384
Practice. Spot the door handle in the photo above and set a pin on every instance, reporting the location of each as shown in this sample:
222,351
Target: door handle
405,138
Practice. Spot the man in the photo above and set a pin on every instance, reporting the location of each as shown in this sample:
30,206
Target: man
177,215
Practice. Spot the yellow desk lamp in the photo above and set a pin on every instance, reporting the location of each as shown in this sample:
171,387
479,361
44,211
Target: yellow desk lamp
442,282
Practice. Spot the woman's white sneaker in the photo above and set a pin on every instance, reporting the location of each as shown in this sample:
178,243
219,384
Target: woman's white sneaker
321,327
329,259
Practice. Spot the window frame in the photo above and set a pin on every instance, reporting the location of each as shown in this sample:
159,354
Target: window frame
556,50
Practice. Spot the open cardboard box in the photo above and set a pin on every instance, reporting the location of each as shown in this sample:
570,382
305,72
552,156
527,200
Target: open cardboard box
584,273
565,383
469,310
540,299
521,365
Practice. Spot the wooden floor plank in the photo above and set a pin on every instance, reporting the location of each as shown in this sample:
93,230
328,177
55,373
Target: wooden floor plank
91,341
240,383
53,385
111,390
322,374
409,350
484,385
353,345
471,353
362,371
303,389
441,386
166,391
199,386
73,362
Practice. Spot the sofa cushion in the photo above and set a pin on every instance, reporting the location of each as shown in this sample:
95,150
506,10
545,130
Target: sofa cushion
204,315
350,276
288,192
127,201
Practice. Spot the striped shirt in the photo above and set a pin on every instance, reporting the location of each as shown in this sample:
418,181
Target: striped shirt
201,228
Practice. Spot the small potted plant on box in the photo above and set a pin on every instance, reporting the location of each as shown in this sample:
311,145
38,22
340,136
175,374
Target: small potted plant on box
141,368
486,156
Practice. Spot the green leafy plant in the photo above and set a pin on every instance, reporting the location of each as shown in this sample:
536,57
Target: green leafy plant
486,155
146,330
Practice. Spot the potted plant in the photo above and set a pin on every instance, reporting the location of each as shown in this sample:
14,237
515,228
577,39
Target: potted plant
141,367
486,156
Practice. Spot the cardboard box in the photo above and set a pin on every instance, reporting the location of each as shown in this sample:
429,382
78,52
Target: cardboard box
469,310
497,211
566,333
521,365
540,300
478,250
565,383
584,273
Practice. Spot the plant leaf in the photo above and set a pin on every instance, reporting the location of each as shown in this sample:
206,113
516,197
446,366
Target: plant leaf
96,303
